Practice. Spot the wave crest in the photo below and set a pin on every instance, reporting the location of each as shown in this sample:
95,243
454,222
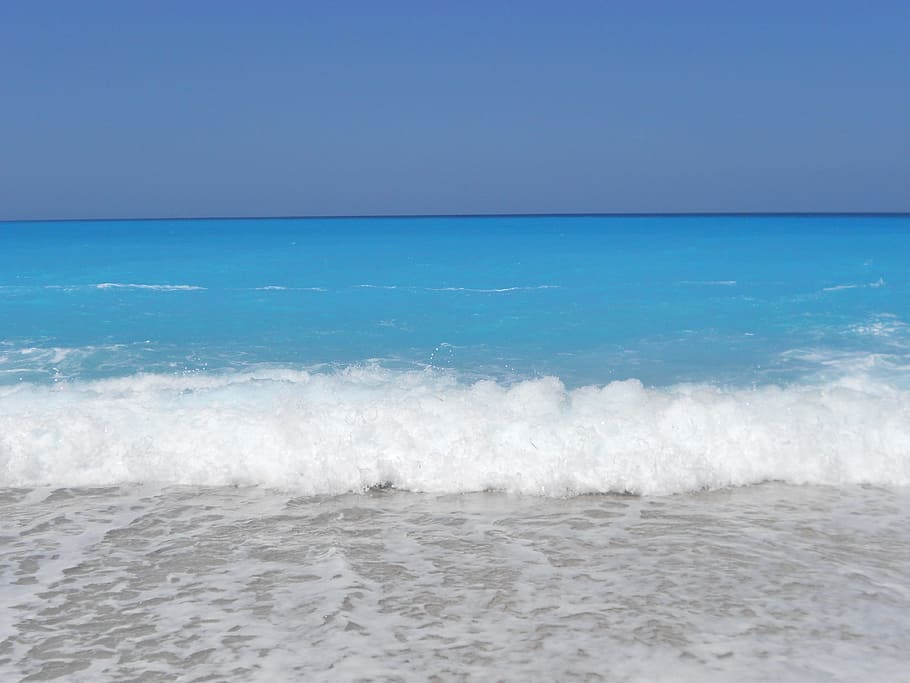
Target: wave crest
426,431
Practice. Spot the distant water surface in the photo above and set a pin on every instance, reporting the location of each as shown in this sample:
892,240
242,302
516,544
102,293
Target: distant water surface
588,299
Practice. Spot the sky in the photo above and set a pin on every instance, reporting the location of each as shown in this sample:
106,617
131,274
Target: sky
196,108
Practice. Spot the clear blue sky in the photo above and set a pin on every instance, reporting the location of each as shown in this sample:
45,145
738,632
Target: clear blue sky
201,108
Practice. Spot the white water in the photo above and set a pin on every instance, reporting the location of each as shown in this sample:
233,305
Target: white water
157,288
761,583
426,431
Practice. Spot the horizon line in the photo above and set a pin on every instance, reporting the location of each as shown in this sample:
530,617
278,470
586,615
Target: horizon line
556,214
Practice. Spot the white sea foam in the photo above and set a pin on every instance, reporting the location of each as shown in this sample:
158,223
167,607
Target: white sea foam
470,290
491,290
873,285
282,288
884,326
710,283
159,288
425,431
837,363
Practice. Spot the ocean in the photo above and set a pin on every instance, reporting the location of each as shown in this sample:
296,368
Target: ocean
605,448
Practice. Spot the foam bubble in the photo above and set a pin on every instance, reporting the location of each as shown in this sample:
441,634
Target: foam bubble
426,431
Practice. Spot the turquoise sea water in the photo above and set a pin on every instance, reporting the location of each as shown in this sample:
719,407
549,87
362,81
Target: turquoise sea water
402,449
731,299
550,354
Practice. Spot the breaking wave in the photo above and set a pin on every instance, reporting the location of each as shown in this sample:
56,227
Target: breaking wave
427,431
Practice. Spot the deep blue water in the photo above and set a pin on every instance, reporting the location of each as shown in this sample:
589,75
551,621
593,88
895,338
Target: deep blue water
590,299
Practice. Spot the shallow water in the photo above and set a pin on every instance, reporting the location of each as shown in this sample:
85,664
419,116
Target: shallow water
769,582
